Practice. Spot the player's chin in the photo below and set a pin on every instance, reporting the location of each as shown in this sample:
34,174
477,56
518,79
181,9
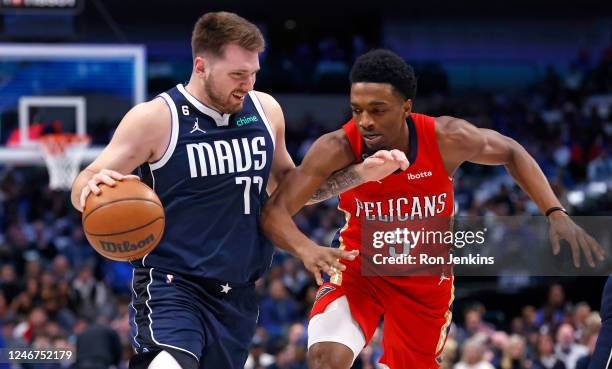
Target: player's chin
233,108
372,147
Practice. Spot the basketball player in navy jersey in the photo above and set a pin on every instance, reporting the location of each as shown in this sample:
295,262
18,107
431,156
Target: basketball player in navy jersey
211,149
602,356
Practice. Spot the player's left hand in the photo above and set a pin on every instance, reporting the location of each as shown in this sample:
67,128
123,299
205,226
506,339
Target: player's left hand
562,227
321,259
381,164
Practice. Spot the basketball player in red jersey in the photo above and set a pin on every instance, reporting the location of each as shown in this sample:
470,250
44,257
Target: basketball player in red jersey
416,309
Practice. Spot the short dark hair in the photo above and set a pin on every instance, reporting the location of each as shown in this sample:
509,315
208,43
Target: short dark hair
213,31
385,66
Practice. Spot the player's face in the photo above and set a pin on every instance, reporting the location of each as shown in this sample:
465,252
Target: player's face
380,114
230,77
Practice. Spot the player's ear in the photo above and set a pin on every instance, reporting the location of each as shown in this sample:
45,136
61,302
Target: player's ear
201,66
407,107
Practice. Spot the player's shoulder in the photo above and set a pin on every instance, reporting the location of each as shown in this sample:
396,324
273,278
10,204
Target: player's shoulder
267,101
149,113
337,137
272,109
455,131
329,153
153,109
264,97
452,126
334,144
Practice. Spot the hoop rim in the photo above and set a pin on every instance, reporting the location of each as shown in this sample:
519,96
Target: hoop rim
66,138
55,144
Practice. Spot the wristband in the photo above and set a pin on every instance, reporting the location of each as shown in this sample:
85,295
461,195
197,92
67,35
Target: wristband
555,208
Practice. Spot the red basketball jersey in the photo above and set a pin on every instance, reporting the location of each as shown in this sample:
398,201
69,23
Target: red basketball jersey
416,306
423,190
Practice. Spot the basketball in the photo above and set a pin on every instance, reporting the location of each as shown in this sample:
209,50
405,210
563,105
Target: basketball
124,222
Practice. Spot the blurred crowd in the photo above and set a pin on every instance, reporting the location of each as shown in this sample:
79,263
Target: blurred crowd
56,292
557,335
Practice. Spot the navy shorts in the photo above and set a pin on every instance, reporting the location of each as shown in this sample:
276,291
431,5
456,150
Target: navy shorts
203,323
602,356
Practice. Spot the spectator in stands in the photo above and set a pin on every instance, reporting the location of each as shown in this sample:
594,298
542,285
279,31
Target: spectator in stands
8,282
592,325
600,169
473,323
98,347
258,357
449,353
545,356
582,311
566,348
514,354
294,277
551,314
583,362
278,310
285,359
78,251
61,268
499,343
473,356
33,325
88,295
297,335
33,267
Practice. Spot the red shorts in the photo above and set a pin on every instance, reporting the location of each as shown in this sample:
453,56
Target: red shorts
415,309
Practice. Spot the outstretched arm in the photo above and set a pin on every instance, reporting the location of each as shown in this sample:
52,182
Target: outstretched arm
341,181
336,183
294,190
327,155
460,141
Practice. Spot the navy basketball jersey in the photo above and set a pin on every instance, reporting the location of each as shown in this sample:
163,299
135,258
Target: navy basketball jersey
212,182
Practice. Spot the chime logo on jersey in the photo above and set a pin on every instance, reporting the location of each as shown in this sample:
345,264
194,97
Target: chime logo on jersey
226,156
401,208
246,120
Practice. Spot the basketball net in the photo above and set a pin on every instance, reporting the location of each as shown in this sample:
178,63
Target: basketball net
63,153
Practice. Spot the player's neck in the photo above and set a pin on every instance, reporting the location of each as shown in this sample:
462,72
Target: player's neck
402,141
198,93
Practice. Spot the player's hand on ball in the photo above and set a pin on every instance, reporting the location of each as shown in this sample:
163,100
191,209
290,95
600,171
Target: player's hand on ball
106,176
320,259
562,227
383,163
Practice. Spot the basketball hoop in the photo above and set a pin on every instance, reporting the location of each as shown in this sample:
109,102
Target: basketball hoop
63,153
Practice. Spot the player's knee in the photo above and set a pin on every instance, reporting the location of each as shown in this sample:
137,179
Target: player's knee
164,360
317,359
329,355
